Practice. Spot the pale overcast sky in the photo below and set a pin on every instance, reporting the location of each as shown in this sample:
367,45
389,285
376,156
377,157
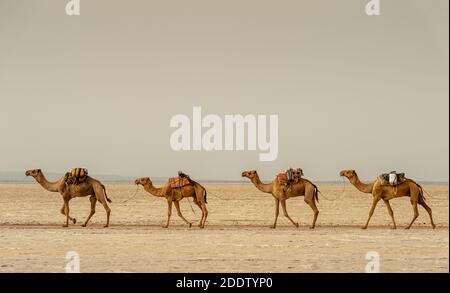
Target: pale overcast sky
352,91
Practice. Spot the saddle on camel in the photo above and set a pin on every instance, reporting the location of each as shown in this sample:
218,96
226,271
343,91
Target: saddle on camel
76,176
290,177
392,178
180,181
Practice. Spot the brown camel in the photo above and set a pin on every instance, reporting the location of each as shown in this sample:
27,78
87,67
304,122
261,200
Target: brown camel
90,186
303,187
174,195
388,192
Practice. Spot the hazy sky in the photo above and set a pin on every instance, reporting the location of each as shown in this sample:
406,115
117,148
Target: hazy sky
351,91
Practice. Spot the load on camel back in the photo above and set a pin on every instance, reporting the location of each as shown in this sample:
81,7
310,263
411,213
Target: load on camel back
290,176
180,181
76,176
392,178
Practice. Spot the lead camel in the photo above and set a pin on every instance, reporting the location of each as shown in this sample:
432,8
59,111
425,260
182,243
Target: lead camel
386,192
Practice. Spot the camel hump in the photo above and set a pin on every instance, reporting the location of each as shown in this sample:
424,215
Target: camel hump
177,182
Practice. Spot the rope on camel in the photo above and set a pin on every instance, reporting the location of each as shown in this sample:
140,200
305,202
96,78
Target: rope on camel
131,197
337,195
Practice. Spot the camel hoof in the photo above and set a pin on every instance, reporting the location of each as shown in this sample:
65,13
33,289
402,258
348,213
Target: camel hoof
407,228
83,225
65,226
434,226
273,227
190,225
297,225
312,227
393,228
364,227
106,226
165,227
74,220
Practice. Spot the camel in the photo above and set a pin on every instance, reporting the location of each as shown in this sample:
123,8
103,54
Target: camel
388,192
90,186
175,195
303,187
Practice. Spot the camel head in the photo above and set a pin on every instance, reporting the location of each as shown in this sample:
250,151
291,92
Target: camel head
34,173
348,173
142,181
250,174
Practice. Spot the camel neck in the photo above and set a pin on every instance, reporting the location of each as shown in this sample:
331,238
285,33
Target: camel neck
366,188
50,186
153,190
262,186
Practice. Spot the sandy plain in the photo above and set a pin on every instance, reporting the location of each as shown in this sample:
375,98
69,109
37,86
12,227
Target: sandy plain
237,237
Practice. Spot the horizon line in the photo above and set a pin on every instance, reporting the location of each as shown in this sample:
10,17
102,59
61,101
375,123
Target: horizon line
125,178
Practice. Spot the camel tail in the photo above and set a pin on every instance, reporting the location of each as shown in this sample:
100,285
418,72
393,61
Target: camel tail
196,183
421,192
316,190
106,196
316,193
421,195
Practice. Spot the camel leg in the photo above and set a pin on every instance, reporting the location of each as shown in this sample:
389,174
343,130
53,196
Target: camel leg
391,212
372,209
93,201
200,200
205,214
108,211
66,212
177,206
277,211
283,205
428,209
169,212
312,204
70,218
416,213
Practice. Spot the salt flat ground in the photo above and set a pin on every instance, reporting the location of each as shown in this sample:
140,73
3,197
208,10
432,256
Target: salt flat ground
237,237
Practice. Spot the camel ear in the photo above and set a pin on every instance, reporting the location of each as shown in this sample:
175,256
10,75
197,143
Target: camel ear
39,170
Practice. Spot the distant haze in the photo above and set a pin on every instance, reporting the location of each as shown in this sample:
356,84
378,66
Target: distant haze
98,90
